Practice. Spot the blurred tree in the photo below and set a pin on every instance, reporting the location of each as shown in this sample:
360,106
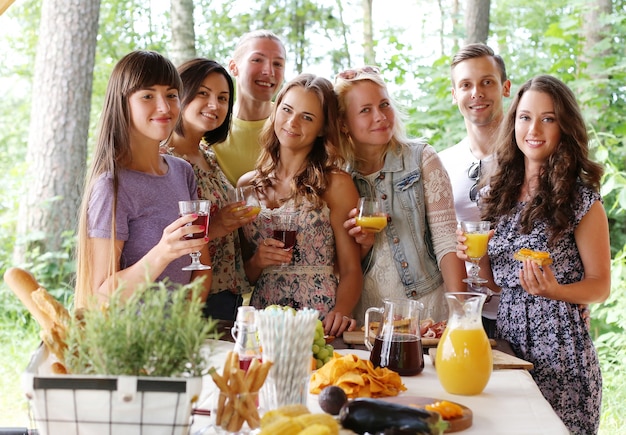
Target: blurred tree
477,21
59,122
369,54
183,44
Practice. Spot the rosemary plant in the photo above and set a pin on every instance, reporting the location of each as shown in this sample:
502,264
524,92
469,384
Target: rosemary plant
158,331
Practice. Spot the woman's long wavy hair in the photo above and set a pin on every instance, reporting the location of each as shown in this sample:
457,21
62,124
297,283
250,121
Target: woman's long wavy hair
137,70
324,157
556,193
347,146
193,73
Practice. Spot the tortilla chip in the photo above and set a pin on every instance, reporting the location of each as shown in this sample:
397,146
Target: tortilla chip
357,377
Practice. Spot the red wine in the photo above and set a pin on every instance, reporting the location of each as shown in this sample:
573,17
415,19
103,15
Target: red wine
202,219
288,237
244,362
404,354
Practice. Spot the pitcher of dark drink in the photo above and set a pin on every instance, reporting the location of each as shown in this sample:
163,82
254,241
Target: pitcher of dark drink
397,343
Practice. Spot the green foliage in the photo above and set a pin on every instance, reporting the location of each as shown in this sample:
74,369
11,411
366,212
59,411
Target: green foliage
158,331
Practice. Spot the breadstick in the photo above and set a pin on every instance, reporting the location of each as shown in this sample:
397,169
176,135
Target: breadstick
260,378
234,422
223,386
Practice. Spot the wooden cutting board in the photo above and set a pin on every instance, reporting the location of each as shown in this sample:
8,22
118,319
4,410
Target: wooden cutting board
358,337
501,360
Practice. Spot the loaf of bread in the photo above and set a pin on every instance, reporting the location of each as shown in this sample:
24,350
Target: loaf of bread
51,315
542,258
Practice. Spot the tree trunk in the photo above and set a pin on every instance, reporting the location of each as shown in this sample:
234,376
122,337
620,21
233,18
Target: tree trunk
59,123
594,32
183,46
369,55
477,21
593,28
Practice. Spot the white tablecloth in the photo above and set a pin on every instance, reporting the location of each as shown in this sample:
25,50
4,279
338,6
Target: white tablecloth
510,404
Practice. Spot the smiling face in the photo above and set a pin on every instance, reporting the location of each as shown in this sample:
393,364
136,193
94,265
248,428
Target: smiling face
537,131
369,117
299,119
478,90
153,113
208,109
259,69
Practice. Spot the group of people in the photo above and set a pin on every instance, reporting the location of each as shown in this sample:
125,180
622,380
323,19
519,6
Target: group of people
314,146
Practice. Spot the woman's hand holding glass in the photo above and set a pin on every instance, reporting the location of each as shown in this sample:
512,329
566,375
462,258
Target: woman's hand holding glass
285,229
371,217
364,238
476,239
243,207
200,211
246,201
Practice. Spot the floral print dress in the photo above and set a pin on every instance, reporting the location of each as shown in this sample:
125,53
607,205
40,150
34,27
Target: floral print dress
228,271
550,334
309,281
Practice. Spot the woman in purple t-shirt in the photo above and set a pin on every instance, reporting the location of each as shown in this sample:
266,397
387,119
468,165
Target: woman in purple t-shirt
132,191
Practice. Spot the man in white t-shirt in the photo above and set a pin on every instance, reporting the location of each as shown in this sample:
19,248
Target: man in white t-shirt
479,83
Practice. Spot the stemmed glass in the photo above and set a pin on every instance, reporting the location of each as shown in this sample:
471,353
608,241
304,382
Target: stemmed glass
202,208
371,218
248,195
477,237
285,228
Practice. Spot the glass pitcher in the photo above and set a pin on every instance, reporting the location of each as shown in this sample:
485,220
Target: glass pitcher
398,343
464,359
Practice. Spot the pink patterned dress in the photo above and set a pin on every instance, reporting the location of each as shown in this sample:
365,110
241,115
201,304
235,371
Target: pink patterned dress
309,281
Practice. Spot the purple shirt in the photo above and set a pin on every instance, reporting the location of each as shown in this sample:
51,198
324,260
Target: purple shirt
146,204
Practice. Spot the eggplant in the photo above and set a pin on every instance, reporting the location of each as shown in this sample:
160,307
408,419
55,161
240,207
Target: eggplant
377,416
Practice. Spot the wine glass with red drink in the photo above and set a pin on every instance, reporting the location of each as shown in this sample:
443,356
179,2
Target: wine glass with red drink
202,208
285,228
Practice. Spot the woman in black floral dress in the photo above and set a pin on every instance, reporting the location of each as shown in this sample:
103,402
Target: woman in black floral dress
544,195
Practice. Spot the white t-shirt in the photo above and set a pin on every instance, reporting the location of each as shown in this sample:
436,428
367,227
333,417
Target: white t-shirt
458,159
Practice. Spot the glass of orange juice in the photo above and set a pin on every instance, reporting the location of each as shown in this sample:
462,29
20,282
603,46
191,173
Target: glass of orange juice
477,237
371,218
247,195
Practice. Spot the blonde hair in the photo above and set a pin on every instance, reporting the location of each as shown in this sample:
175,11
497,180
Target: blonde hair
242,44
342,87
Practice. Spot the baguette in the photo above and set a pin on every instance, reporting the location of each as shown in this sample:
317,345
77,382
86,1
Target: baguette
23,285
49,313
542,258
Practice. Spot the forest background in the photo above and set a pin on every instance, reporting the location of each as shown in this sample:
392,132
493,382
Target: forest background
56,57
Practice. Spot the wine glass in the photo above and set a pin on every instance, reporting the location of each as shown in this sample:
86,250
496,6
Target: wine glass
477,237
371,218
285,227
202,208
248,195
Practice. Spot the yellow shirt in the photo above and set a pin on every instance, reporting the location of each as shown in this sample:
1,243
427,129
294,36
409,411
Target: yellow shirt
239,152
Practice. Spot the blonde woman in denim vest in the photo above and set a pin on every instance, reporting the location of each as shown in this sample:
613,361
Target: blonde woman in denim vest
415,255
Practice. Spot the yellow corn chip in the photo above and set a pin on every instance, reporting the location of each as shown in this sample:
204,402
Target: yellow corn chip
357,377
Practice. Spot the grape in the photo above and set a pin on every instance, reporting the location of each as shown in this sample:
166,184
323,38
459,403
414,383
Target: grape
322,354
321,351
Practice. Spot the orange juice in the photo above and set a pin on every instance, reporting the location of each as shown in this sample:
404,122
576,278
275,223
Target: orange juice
372,224
464,360
254,210
476,244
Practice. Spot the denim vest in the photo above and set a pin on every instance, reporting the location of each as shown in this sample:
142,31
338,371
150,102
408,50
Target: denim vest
401,189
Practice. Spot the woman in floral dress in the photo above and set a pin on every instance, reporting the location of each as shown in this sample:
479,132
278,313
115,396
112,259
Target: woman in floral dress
299,168
545,196
206,107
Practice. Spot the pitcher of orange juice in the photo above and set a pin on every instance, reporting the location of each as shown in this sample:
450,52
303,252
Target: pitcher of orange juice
464,359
